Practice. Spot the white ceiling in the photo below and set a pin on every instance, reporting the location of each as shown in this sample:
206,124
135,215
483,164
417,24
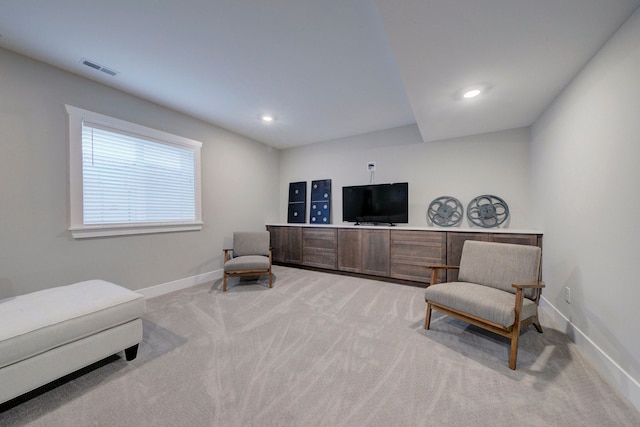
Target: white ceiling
325,68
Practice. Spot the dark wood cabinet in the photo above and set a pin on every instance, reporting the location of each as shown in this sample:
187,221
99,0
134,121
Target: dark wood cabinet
375,252
383,252
277,242
319,247
293,249
412,251
286,244
350,250
363,251
516,239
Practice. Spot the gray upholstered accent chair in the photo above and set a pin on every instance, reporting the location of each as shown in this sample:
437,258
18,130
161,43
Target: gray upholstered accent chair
250,256
498,289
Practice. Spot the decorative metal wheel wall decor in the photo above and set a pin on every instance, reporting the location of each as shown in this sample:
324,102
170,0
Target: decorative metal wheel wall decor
445,211
487,211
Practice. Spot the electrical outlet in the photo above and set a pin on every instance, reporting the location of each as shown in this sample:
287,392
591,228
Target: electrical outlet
371,167
567,294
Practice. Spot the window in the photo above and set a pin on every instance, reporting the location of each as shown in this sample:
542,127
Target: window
130,179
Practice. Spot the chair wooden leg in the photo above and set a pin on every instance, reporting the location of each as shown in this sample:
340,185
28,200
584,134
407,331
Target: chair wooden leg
427,318
224,283
537,325
513,354
270,279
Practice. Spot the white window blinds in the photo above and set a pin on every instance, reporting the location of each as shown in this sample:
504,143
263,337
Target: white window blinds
128,179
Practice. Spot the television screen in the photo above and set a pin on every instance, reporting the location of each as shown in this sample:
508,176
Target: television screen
376,203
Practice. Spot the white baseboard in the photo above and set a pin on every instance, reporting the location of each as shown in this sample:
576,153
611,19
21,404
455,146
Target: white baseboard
606,366
176,285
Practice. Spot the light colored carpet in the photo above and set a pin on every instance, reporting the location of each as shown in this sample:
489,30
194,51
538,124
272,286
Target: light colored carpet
327,350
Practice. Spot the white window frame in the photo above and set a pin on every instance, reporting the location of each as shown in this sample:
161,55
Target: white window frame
77,227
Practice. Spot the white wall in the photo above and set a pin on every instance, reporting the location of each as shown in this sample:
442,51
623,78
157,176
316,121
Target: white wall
239,180
464,168
585,151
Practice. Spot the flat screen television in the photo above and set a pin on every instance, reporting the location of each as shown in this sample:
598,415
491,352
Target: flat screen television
376,203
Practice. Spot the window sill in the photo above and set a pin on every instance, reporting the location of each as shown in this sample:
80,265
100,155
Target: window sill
85,232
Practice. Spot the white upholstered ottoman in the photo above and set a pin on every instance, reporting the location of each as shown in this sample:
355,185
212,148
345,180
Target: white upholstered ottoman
47,334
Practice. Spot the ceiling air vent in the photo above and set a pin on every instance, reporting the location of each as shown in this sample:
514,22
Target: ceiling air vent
108,71
98,67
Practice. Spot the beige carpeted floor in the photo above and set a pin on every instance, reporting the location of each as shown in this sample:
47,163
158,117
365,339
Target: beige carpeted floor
326,350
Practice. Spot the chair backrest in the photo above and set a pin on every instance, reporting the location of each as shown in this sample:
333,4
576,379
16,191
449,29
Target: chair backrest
499,265
251,243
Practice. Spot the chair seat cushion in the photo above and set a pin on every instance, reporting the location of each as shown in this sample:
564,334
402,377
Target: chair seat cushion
248,262
485,302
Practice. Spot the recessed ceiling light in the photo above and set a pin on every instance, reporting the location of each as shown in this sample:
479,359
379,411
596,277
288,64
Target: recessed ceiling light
471,93
267,118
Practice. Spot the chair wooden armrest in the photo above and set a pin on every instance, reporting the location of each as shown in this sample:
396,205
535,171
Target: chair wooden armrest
522,286
528,285
227,251
435,269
